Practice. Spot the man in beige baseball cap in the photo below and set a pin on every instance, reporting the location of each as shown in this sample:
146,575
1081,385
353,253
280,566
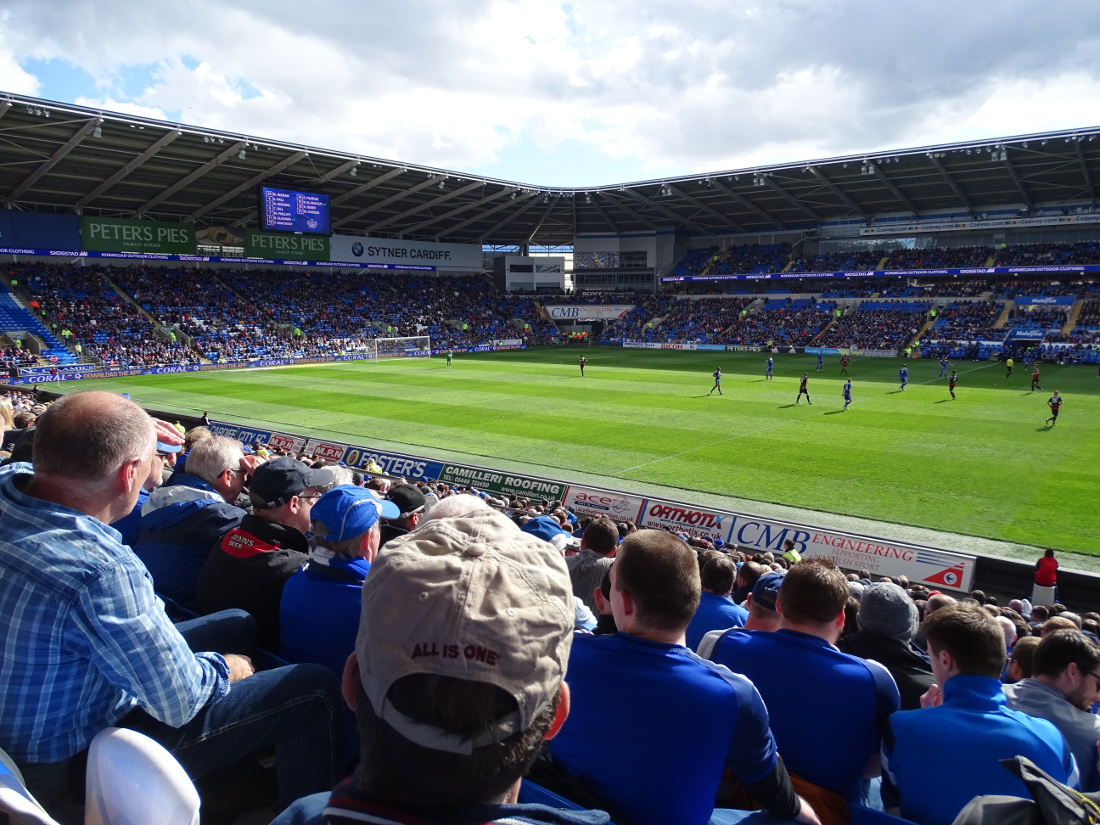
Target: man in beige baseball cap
457,678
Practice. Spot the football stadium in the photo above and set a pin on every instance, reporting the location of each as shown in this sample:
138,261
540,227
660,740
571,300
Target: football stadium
860,358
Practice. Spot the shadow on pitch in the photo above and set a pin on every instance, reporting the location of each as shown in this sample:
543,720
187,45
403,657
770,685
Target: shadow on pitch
943,401
834,412
788,406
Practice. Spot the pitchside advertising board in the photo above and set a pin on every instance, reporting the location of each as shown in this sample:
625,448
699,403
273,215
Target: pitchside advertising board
880,556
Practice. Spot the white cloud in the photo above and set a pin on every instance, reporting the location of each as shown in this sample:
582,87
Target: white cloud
659,85
13,78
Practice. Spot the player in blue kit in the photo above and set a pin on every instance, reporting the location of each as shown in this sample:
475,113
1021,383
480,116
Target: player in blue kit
847,393
717,382
768,369
944,363
904,375
802,390
820,361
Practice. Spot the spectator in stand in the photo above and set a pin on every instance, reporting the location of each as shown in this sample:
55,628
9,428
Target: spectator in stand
451,737
88,644
20,421
1021,661
861,694
169,445
1062,689
185,518
251,562
747,574
588,568
887,621
410,504
937,758
719,723
319,610
716,610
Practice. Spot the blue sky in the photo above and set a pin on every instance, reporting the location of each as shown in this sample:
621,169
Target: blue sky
578,94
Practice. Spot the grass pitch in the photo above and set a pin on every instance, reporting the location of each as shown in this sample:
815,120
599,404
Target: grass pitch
985,464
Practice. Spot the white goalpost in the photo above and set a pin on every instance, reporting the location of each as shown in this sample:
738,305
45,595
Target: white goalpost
416,346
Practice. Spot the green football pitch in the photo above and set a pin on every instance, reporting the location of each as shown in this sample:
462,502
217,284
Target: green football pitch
983,465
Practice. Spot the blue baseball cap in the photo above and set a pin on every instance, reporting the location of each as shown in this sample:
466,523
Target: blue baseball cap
348,511
542,527
766,589
164,447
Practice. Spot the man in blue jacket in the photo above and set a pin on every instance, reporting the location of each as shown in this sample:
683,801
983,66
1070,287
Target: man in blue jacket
182,520
940,756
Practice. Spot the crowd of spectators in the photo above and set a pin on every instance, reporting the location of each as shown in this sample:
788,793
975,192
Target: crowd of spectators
1038,317
180,316
967,321
79,305
786,322
877,325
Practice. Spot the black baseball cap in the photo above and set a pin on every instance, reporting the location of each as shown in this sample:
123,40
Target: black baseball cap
408,498
277,481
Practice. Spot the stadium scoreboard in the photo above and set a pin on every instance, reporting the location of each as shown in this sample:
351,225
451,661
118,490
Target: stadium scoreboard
284,210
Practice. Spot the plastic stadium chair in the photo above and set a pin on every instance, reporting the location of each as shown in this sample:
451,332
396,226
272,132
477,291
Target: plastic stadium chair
15,800
133,780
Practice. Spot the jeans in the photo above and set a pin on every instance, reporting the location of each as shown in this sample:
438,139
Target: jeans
296,710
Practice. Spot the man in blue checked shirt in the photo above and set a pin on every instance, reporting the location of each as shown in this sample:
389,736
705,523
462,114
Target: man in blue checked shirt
88,644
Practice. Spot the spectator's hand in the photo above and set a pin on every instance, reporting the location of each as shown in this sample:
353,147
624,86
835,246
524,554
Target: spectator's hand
807,814
250,463
932,698
167,434
240,667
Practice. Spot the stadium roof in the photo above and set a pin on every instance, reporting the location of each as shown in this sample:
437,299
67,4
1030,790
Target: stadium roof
57,157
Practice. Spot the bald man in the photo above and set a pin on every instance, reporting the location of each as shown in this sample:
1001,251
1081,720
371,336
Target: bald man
88,644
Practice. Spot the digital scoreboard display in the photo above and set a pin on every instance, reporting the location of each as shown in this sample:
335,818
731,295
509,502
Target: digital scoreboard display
283,210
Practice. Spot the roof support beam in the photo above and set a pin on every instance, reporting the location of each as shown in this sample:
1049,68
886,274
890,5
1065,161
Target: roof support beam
530,200
458,210
429,204
136,163
668,213
545,214
366,187
630,215
769,183
946,176
210,165
600,210
53,160
752,207
366,210
837,191
714,213
1084,172
508,203
252,182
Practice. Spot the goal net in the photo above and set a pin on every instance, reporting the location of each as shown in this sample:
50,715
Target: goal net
416,346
